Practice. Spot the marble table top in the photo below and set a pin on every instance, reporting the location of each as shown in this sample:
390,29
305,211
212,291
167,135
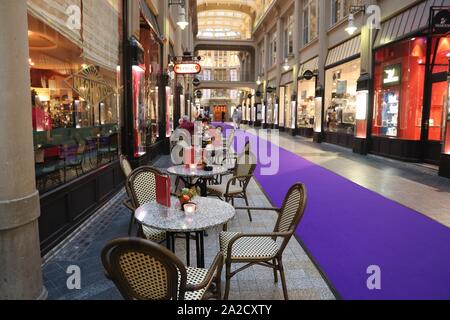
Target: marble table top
210,213
183,171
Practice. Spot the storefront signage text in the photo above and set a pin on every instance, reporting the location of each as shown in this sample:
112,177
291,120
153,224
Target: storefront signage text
187,68
391,76
441,22
90,85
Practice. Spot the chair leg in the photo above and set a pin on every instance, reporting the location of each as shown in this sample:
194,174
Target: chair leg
130,225
283,279
275,271
249,212
228,281
218,283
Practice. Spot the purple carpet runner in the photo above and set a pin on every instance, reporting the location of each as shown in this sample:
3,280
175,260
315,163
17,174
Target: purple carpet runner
347,229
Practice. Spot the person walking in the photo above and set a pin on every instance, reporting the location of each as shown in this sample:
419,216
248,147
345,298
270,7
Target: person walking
239,117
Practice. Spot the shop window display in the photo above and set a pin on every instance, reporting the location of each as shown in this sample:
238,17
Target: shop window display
152,62
281,108
288,106
271,100
75,90
306,103
399,86
340,97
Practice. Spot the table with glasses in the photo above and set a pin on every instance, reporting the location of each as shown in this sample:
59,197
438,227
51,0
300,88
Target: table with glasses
189,174
210,213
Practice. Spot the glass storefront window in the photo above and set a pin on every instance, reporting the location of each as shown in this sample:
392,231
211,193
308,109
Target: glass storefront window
442,54
75,88
399,86
340,97
281,107
152,61
270,108
306,103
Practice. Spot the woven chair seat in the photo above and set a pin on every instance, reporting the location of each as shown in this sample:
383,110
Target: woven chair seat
249,248
153,234
221,189
195,276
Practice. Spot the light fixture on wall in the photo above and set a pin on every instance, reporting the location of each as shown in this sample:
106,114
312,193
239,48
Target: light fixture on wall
286,65
351,28
259,81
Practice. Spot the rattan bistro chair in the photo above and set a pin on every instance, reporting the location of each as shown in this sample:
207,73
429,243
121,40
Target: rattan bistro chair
141,184
236,187
144,270
263,249
126,170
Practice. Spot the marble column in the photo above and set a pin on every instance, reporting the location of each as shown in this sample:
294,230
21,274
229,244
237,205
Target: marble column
20,257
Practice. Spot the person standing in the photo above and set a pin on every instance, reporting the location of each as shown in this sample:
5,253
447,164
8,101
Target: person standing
239,117
223,116
235,118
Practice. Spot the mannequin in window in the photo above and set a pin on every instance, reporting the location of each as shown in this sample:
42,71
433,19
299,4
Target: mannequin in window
38,113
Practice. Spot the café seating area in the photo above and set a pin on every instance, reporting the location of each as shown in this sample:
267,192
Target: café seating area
147,266
58,161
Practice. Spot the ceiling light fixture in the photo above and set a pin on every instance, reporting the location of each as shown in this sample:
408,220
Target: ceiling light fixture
259,81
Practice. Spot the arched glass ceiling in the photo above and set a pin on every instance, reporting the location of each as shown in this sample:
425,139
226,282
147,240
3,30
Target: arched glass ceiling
249,3
225,24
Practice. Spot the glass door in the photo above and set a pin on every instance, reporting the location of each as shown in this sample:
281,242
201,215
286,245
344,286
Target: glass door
435,124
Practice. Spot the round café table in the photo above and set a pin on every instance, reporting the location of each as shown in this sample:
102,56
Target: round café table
200,174
210,213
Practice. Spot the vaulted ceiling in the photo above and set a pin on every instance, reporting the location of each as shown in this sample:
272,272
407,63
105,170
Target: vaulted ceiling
226,19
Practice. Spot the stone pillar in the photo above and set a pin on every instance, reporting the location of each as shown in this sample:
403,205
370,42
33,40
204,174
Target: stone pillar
323,40
280,59
297,38
265,61
20,257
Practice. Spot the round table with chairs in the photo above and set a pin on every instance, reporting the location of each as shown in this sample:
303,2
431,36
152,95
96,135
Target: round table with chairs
187,174
210,213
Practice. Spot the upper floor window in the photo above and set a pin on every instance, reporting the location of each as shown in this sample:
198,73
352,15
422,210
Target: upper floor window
273,49
310,21
340,9
289,37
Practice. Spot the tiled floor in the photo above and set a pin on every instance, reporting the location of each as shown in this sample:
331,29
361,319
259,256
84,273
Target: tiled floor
412,185
83,250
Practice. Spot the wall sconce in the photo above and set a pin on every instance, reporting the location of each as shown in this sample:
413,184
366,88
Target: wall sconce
351,28
259,81
286,65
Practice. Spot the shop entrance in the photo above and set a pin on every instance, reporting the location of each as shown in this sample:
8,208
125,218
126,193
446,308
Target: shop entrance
220,111
434,124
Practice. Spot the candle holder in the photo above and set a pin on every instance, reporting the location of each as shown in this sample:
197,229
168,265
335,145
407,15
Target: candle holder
189,208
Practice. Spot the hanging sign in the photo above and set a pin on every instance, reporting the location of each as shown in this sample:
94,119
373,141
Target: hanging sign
308,75
441,22
199,94
392,75
196,82
187,68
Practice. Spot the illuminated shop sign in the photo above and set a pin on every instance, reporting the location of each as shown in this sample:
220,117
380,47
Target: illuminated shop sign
90,85
392,75
187,68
